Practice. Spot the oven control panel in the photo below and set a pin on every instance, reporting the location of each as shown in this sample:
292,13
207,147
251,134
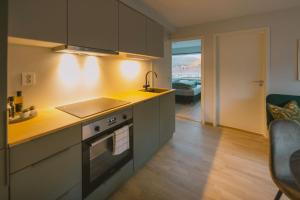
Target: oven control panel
105,123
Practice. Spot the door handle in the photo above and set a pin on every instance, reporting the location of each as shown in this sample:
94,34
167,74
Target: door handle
260,82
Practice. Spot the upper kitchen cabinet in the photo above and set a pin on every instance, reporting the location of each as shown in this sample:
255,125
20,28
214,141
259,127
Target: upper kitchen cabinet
93,24
155,39
132,31
38,20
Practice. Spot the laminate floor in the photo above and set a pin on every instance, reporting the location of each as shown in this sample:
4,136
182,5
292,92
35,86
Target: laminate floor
189,111
203,162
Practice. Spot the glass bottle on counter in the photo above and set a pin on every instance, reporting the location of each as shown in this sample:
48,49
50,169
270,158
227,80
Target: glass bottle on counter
19,102
11,107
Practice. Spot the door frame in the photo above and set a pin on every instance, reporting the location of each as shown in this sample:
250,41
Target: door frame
202,38
266,71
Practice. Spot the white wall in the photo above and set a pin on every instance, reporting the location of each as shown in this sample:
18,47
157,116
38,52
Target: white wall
65,78
284,31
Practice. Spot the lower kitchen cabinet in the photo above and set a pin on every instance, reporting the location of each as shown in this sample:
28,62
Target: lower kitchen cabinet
28,153
50,178
3,186
146,131
112,184
166,117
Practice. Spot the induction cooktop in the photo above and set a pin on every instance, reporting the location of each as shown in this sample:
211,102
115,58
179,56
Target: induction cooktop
91,107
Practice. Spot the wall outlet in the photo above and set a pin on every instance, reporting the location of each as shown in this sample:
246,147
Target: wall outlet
28,78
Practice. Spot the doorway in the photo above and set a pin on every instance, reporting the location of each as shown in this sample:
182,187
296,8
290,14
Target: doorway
187,78
240,77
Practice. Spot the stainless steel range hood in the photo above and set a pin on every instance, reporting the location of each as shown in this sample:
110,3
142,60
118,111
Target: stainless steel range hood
84,50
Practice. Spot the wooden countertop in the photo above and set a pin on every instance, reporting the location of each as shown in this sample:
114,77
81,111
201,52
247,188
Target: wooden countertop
51,120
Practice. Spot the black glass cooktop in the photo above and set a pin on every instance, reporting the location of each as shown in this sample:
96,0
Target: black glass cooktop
91,107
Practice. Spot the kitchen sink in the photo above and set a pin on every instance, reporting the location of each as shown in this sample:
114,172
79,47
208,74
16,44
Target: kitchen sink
155,90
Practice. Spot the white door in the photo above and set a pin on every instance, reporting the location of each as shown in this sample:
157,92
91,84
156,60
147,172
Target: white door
241,63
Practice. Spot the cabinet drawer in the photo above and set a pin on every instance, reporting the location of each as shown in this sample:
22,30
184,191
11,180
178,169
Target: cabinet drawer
31,152
50,178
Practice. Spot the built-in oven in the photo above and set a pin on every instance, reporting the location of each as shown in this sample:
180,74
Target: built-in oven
99,160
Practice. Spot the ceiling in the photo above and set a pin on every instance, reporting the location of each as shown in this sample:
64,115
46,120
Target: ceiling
182,13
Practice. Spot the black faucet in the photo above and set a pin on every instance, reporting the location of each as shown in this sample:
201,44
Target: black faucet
147,85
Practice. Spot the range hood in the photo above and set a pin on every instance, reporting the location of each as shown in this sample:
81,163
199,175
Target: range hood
84,50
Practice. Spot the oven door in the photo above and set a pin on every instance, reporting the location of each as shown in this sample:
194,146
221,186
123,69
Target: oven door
99,163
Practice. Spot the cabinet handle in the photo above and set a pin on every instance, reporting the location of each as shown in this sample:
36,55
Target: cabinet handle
51,156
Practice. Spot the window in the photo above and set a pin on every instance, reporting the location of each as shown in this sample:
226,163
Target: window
186,66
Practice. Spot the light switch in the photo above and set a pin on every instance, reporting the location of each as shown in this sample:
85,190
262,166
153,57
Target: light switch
28,78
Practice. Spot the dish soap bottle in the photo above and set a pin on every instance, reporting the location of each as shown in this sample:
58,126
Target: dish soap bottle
12,107
19,102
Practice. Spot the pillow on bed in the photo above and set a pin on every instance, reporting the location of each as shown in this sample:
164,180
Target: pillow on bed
290,111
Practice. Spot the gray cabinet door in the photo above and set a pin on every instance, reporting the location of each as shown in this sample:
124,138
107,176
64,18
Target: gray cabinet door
50,178
3,187
155,39
146,131
166,117
3,72
3,95
38,20
132,30
93,24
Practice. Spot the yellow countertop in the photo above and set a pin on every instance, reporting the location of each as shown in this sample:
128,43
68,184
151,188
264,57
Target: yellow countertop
51,120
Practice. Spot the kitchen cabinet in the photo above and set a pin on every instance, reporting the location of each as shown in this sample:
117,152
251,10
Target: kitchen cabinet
112,184
3,73
28,153
3,187
166,117
50,178
3,97
155,39
93,24
146,131
38,20
48,167
132,30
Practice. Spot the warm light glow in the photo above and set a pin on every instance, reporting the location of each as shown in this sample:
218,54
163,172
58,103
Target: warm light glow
130,69
91,71
69,70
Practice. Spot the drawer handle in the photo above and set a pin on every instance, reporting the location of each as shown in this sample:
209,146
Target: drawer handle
51,156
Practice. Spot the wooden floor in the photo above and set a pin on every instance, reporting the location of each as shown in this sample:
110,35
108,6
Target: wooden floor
189,111
202,162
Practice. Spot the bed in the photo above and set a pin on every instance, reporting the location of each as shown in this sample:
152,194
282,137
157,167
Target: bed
187,90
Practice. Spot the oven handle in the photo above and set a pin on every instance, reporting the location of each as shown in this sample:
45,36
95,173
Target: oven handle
106,137
99,141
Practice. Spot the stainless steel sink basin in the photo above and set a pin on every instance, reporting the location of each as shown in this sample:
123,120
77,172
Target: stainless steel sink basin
155,90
